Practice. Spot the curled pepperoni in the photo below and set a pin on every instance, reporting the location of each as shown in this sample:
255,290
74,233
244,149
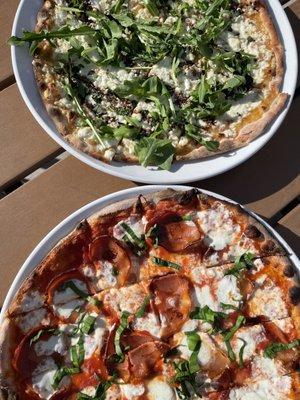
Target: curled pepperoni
57,284
134,339
145,359
106,248
172,301
173,233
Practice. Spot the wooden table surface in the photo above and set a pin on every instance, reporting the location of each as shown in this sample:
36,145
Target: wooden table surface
40,184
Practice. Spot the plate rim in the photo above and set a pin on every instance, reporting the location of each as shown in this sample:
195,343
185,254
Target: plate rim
64,227
158,177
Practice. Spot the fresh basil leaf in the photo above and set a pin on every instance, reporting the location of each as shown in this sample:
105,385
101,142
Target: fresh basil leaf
124,324
141,311
157,152
234,82
193,341
138,241
87,324
41,332
226,306
274,348
242,263
77,353
61,373
165,263
71,285
241,352
228,335
206,314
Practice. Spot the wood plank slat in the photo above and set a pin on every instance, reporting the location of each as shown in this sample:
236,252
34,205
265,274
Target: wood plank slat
269,180
289,228
24,145
7,13
31,211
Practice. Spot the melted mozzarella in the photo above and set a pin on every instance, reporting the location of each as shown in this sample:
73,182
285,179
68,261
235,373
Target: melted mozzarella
67,294
252,336
65,310
150,323
128,298
54,344
213,288
275,389
103,276
132,392
267,300
218,226
32,320
158,389
135,224
266,368
31,301
42,378
95,340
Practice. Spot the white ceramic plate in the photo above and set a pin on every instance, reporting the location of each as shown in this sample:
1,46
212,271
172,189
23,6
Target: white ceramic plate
181,172
68,224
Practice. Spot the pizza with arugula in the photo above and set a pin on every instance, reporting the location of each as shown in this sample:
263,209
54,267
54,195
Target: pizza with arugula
176,295
153,81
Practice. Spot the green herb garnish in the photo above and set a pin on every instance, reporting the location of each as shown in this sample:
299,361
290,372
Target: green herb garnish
124,324
141,311
165,263
274,348
242,263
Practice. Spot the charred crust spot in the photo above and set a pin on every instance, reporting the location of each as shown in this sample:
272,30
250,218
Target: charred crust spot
289,271
42,86
138,206
83,225
252,232
269,247
295,294
187,197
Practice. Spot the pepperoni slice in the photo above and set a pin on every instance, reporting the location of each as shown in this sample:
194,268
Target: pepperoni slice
134,339
172,301
25,359
57,284
144,359
106,248
175,234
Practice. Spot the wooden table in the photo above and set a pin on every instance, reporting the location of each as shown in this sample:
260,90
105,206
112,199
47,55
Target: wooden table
40,184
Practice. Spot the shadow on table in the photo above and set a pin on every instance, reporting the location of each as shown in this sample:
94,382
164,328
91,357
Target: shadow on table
268,171
291,238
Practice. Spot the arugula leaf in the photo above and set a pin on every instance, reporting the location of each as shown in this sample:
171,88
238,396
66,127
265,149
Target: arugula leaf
228,335
64,32
151,7
157,152
192,132
141,311
242,263
165,263
124,324
61,373
274,348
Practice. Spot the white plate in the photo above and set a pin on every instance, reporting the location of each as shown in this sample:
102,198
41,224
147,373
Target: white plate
181,172
68,224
